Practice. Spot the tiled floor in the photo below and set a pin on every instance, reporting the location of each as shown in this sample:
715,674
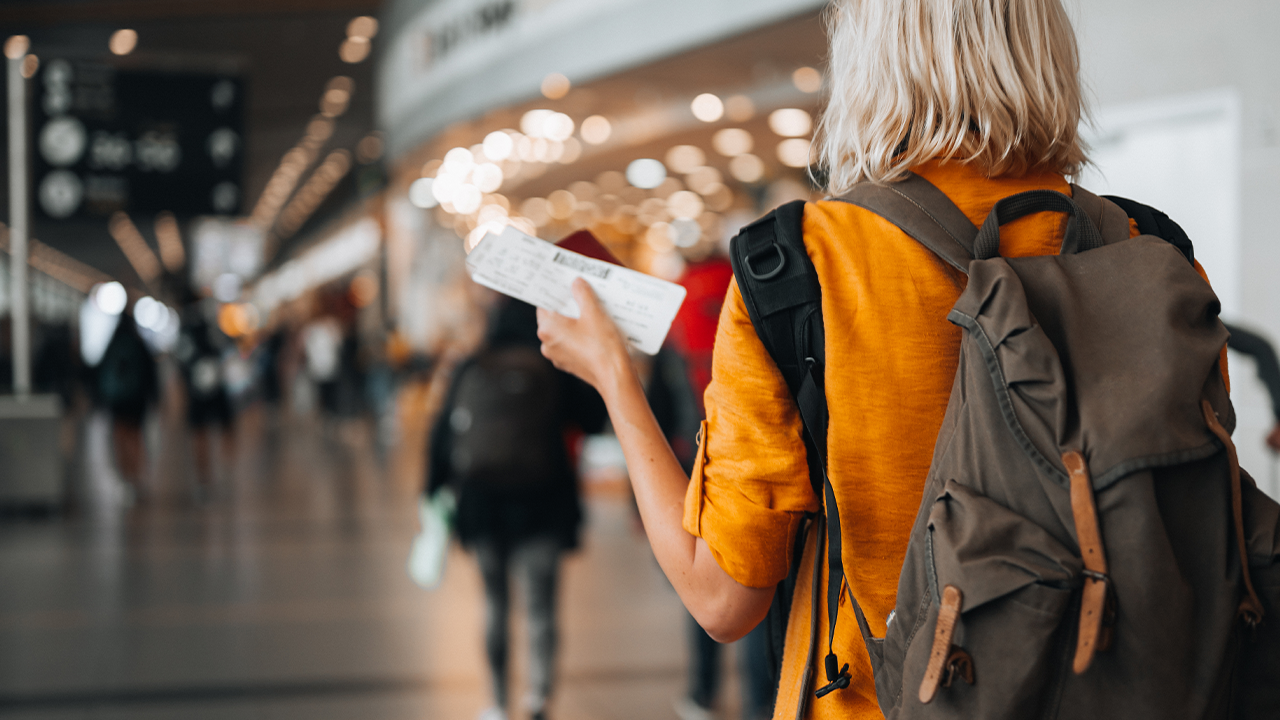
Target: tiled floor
285,596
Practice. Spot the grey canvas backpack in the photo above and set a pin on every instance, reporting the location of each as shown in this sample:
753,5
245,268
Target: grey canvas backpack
1087,545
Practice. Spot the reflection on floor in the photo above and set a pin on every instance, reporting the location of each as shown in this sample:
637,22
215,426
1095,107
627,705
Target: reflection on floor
284,595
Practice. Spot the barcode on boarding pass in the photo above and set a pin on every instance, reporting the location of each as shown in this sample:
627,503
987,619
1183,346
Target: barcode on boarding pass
582,265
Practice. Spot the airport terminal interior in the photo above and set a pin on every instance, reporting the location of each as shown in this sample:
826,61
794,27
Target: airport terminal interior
241,298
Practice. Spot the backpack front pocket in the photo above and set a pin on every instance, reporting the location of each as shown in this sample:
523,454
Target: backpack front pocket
1001,586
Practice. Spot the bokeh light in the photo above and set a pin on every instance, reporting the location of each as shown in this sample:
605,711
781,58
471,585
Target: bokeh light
420,193
354,49
596,130
746,168
498,146
732,142
466,199
555,86
684,205
707,107
790,122
123,41
561,204
646,173
739,108
110,297
794,152
701,178
363,26
807,80
487,177
684,158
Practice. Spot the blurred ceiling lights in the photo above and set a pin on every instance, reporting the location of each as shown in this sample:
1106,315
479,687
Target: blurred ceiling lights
111,297
123,41
646,173
134,246
790,122
663,205
369,149
807,80
684,158
794,152
707,107
360,33
732,142
337,96
169,237
739,108
316,189
555,86
16,46
596,130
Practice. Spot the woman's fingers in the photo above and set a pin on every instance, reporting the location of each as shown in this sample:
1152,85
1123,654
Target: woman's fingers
588,346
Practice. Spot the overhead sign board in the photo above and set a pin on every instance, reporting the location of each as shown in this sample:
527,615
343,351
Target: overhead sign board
109,139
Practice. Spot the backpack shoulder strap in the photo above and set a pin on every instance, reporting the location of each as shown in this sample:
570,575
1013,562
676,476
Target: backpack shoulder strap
1110,219
1153,222
779,286
780,289
922,211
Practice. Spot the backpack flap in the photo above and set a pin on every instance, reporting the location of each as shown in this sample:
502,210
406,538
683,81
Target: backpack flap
1096,349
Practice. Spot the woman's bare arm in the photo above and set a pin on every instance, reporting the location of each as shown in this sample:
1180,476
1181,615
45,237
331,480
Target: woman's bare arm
592,348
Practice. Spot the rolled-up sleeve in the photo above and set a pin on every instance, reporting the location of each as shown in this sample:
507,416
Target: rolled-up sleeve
750,484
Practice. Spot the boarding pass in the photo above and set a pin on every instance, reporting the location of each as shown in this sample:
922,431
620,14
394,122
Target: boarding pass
541,274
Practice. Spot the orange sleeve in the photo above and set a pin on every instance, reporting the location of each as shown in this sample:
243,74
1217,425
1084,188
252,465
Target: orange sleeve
750,484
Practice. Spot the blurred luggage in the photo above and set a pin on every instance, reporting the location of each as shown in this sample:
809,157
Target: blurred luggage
1087,545
431,545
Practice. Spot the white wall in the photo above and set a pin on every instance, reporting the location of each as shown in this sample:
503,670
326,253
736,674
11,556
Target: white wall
1147,52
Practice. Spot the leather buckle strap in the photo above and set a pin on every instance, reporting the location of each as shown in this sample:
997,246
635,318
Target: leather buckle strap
1097,603
942,656
1250,609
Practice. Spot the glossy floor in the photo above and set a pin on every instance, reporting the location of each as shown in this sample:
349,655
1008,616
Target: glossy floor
284,595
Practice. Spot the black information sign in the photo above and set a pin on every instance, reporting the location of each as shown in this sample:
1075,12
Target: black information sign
109,139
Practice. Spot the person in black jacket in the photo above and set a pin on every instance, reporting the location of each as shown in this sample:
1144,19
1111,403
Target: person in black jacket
500,443
127,385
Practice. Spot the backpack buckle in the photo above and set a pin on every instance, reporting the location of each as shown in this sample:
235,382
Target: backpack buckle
771,274
839,679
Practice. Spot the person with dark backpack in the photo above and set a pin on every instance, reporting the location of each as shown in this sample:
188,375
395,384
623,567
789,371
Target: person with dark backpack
127,385
501,443
968,431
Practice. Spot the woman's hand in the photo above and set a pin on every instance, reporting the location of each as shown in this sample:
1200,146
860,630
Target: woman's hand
590,347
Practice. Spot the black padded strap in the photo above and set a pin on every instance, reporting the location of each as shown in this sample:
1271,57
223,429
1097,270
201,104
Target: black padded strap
922,211
779,286
1151,221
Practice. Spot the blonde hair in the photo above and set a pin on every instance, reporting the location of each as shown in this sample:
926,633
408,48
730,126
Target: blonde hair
992,82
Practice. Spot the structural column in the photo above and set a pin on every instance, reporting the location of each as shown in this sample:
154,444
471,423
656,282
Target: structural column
15,51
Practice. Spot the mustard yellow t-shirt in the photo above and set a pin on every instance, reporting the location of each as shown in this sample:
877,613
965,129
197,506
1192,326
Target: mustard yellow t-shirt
891,361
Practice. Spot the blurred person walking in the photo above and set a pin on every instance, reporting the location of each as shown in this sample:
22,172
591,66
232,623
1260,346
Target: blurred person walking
200,356
128,384
1264,357
951,107
500,443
